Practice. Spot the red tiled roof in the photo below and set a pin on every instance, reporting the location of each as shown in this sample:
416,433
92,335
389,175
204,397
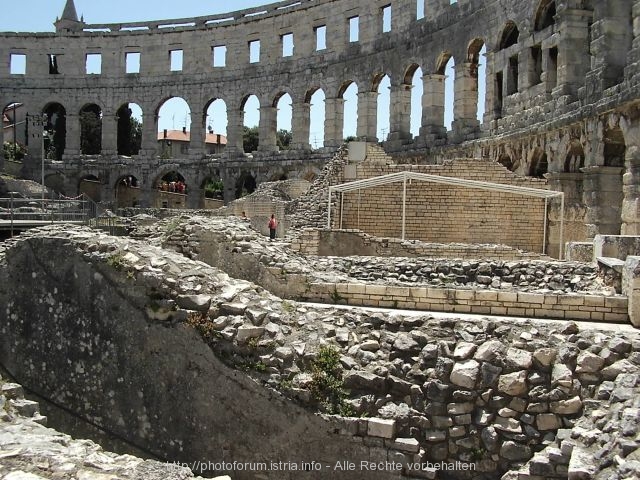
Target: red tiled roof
180,136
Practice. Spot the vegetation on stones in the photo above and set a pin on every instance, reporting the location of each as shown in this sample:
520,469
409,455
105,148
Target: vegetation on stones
14,151
335,296
327,385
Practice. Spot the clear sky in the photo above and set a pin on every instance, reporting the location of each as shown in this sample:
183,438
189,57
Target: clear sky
39,15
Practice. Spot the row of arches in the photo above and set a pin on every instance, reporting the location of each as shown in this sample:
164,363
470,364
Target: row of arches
395,107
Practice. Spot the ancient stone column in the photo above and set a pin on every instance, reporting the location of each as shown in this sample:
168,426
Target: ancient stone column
197,136
631,190
109,134
234,131
268,126
334,122
400,114
465,106
367,116
72,139
492,106
634,54
300,124
149,146
603,199
432,107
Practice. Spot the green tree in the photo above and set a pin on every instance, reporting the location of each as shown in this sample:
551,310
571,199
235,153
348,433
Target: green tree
284,139
91,130
14,151
250,139
129,132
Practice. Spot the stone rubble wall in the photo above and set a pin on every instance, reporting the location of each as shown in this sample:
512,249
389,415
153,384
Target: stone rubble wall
489,393
346,242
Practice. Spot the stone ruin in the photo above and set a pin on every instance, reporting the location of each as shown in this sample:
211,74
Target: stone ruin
196,341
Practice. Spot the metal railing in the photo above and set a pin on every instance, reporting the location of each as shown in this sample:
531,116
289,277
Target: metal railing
18,213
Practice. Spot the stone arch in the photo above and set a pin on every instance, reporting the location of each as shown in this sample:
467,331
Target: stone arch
538,164
510,35
55,130
89,184
245,184
574,160
545,15
91,129
476,52
350,107
283,103
445,65
505,160
177,116
315,97
250,111
129,129
216,123
614,146
127,191
381,84
212,186
413,76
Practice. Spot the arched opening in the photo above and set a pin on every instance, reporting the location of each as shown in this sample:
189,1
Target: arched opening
477,57
505,161
251,120
90,186
283,121
216,126
349,92
91,129
574,160
245,185
317,117
611,185
174,127
129,129
55,131
614,147
539,164
382,85
171,191
545,15
510,35
413,77
127,191
14,128
213,191
447,66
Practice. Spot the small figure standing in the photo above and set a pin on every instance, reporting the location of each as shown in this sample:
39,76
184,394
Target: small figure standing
273,224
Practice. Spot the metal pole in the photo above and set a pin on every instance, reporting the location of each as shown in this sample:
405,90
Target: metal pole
544,228
561,256
404,205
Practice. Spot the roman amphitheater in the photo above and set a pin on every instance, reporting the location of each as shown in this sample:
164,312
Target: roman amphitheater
456,304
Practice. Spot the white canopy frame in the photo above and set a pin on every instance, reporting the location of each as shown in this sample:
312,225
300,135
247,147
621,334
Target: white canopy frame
459,182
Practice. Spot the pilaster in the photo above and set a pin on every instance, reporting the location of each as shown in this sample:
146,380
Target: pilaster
367,116
300,123
267,128
334,122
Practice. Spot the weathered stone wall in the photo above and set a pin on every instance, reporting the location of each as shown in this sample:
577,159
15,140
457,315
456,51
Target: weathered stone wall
354,242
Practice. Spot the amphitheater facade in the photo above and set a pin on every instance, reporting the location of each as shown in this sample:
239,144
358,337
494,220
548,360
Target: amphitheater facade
561,89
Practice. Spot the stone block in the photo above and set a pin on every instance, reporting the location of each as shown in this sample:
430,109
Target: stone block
382,428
